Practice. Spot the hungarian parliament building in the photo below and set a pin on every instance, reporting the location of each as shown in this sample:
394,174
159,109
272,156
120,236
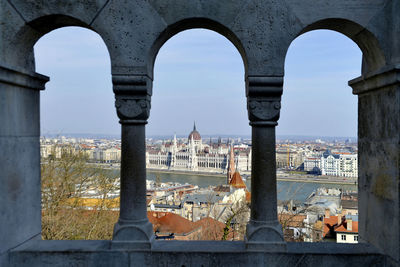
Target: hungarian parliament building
194,155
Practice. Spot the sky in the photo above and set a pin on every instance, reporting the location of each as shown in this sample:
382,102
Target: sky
198,76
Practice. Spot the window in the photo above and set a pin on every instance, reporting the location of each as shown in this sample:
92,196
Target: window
356,238
344,237
189,151
63,175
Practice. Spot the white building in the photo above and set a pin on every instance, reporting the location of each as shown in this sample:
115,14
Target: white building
330,164
107,155
343,164
348,166
348,234
312,163
196,156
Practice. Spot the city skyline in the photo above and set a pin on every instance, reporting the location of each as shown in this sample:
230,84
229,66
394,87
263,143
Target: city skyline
320,104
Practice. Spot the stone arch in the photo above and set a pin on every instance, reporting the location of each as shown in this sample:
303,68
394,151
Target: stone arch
194,23
20,48
373,56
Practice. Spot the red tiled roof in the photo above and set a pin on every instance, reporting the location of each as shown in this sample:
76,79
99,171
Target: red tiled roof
207,222
170,222
332,220
344,230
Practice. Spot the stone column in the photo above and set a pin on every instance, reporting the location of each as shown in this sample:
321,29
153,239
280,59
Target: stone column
263,104
132,101
378,159
20,198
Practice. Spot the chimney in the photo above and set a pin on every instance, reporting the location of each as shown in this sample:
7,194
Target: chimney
349,225
339,218
327,213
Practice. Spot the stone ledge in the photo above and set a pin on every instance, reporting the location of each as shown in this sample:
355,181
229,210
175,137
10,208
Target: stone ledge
387,76
330,248
22,78
191,253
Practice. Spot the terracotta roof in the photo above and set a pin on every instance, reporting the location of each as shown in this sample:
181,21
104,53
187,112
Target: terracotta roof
354,229
207,222
237,181
332,220
170,222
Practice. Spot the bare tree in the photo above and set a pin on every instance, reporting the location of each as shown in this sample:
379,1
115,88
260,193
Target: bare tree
75,197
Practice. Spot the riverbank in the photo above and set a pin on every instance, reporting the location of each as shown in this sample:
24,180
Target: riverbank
186,172
300,179
316,180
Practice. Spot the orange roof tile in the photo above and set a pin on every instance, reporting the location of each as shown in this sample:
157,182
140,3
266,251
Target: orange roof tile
332,220
344,230
237,181
170,222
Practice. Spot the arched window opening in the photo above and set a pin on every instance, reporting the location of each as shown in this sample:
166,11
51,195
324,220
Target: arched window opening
79,141
198,132
316,153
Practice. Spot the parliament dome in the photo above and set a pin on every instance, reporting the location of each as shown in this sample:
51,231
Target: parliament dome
194,134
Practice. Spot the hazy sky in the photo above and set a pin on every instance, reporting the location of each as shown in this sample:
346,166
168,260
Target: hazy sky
199,75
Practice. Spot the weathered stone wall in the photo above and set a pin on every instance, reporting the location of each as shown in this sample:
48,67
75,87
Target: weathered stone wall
20,217
378,144
184,253
262,31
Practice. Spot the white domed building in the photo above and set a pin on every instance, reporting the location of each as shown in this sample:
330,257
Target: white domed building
194,140
194,156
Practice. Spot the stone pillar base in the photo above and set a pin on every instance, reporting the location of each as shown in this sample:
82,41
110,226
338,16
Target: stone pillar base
265,236
132,235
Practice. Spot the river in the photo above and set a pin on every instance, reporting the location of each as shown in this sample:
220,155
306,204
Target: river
286,189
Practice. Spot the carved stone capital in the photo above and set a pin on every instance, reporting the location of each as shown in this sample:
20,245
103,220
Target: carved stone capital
132,98
132,110
261,110
264,99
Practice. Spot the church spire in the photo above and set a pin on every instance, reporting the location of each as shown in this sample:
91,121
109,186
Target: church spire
231,165
194,126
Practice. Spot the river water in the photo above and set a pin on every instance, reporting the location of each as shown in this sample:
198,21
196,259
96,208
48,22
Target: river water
286,190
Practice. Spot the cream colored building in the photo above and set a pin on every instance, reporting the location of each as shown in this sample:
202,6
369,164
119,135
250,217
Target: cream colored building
196,156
